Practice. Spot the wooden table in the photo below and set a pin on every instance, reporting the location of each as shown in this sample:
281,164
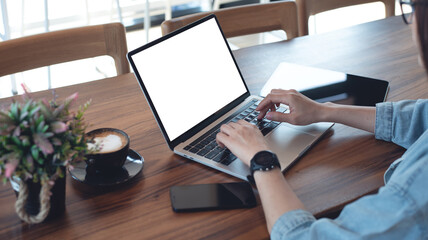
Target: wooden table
345,165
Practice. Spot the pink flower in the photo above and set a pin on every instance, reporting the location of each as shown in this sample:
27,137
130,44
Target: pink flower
59,127
71,99
10,168
25,88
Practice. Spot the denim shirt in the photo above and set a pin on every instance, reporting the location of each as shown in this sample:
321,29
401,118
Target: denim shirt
400,209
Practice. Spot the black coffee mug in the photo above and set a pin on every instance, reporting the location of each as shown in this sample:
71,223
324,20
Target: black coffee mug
107,160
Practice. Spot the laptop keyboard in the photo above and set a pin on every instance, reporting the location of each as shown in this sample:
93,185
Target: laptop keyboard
207,146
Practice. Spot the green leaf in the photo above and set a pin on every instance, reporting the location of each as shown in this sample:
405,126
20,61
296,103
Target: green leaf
26,131
40,161
57,112
35,177
14,111
23,115
35,152
25,141
24,124
60,172
16,140
46,110
27,106
39,119
48,135
45,128
34,110
40,124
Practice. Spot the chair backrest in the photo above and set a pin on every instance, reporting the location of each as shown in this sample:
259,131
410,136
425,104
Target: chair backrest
307,8
50,48
247,19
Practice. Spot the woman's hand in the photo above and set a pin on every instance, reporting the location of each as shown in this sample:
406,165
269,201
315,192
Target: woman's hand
245,140
242,139
303,110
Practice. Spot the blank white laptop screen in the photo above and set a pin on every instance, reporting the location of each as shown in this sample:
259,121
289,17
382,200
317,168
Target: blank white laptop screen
189,77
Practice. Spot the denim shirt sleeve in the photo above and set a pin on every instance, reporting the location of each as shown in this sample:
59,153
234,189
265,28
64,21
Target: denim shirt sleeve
392,214
398,211
401,122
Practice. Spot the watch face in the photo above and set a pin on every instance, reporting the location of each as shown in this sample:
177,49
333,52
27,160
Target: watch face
264,158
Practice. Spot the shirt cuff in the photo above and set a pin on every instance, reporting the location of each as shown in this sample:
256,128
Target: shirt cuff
383,125
289,221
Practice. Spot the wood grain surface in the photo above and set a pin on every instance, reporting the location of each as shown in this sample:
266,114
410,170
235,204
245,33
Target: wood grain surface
343,166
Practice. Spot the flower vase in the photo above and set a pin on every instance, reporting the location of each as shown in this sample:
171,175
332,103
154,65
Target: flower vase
30,208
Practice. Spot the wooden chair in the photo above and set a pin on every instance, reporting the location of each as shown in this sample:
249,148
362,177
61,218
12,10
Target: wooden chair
247,19
217,3
307,8
50,48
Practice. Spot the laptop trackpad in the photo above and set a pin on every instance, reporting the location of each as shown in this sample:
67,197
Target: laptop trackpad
289,142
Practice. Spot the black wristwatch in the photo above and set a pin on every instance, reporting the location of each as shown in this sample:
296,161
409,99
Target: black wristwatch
263,161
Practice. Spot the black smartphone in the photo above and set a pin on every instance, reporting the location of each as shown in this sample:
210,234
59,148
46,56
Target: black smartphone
189,198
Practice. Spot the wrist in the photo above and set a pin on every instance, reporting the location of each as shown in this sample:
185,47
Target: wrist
264,175
263,161
326,111
251,153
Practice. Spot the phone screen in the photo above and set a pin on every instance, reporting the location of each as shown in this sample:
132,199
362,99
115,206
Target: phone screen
201,197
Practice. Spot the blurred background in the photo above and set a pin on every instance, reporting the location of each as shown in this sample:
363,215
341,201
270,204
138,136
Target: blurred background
26,17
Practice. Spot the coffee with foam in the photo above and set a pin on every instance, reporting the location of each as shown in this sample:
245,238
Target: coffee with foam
110,147
107,141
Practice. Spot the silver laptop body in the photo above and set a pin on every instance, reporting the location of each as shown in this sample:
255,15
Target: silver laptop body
193,86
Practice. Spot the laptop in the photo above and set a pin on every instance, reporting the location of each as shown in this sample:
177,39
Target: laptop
324,85
193,85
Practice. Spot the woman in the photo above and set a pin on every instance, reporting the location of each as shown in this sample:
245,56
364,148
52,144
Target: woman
398,211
